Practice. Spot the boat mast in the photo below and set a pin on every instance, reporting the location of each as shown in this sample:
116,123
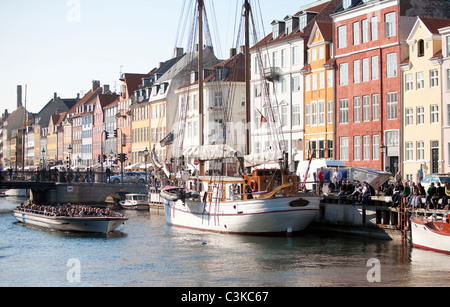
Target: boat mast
247,75
200,81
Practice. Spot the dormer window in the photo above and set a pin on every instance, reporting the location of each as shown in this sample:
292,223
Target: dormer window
421,48
219,73
346,4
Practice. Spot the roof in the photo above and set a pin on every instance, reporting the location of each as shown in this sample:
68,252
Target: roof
434,24
329,6
133,81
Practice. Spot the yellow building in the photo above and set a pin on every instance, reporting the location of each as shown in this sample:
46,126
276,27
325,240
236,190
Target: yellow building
422,107
318,95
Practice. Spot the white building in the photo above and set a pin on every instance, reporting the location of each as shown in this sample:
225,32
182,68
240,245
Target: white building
282,55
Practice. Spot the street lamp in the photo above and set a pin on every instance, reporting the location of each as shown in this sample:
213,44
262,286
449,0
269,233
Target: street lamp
70,154
43,158
382,149
145,156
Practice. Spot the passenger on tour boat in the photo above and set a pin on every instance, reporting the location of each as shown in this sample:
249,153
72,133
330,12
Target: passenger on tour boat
69,210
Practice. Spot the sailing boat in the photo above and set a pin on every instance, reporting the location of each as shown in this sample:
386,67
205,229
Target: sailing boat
262,202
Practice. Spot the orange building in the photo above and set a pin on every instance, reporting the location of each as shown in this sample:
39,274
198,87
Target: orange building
319,101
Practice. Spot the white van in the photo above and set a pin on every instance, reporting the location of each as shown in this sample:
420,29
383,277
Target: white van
316,164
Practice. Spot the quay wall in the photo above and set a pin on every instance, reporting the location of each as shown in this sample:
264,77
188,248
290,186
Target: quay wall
82,193
376,219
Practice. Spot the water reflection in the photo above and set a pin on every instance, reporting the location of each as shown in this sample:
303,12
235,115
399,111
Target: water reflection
146,252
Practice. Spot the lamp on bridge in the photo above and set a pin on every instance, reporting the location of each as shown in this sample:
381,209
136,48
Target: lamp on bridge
145,156
70,154
43,158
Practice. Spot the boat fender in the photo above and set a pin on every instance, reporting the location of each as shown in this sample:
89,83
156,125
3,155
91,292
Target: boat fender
254,185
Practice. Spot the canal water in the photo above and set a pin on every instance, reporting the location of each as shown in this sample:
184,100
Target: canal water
146,252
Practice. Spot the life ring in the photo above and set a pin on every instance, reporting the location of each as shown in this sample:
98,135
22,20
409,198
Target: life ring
254,185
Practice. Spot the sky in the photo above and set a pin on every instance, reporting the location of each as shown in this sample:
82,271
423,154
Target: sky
62,45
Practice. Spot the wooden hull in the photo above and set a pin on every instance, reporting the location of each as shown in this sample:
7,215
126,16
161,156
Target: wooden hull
84,224
430,235
274,216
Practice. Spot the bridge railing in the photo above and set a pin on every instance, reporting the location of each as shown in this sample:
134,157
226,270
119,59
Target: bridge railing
66,176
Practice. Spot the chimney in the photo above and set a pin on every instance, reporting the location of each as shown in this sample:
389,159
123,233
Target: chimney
95,84
19,96
55,95
106,89
178,52
232,52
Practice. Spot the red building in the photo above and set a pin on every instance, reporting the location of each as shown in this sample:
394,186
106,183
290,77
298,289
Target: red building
368,44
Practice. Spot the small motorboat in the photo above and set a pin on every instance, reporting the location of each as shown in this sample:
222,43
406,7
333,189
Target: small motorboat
93,224
135,202
431,233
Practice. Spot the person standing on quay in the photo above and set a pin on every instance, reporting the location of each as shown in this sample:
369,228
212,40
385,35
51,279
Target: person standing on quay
321,176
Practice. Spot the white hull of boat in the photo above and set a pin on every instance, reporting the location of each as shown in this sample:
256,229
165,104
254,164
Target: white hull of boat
259,217
129,206
84,224
425,237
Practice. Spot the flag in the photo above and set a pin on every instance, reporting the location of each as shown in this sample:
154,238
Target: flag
168,140
263,119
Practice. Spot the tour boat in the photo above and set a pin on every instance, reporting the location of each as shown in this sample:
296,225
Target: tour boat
92,224
430,233
262,202
135,202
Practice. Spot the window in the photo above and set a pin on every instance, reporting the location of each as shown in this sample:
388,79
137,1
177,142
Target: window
420,150
342,37
409,116
307,115
375,68
343,148
330,112
389,24
321,80
391,105
356,71
374,28
346,4
408,151
375,147
420,115
296,115
356,33
365,30
321,112
343,74
322,53
375,107
366,147
283,58
343,111
420,48
448,80
447,39
294,55
420,80
409,82
357,148
313,113
366,70
284,115
314,82
434,114
307,83
434,78
313,54
295,84
329,78
356,109
391,59
329,149
366,109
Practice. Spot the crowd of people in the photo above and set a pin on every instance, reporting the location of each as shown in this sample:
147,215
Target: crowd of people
359,194
69,210
436,196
